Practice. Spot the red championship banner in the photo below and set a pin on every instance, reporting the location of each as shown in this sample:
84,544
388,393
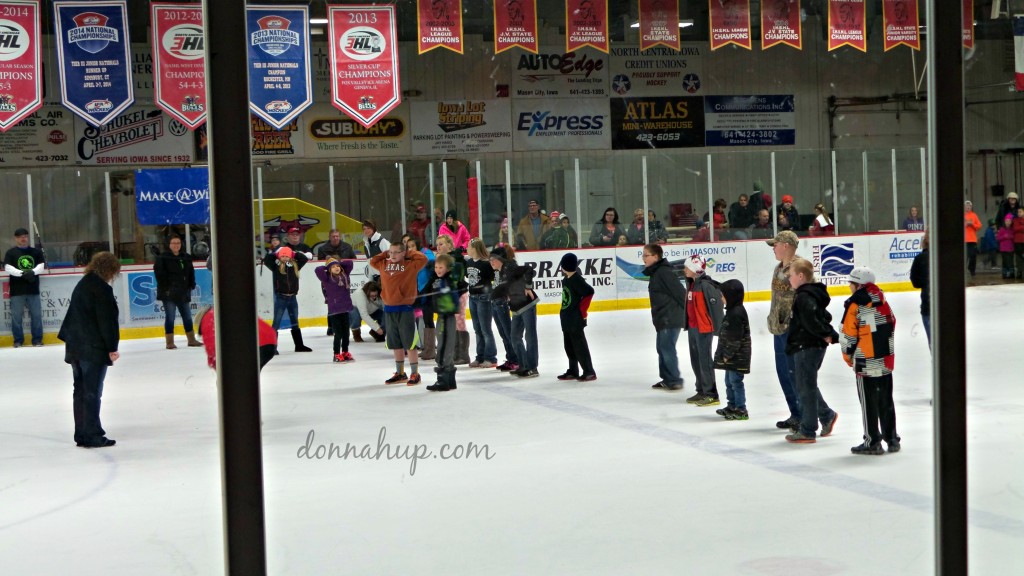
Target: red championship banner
364,61
846,24
899,23
586,24
179,64
659,23
968,27
780,23
730,23
440,24
515,24
21,85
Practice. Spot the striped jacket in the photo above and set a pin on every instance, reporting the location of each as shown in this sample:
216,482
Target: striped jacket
867,338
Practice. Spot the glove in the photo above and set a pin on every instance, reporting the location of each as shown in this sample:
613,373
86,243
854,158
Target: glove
28,276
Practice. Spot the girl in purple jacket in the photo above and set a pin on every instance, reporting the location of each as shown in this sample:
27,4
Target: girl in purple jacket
334,276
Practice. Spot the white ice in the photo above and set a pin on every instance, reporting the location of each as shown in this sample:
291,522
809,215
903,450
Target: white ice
608,477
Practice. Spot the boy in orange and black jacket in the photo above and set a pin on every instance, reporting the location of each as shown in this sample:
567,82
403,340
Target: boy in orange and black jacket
703,320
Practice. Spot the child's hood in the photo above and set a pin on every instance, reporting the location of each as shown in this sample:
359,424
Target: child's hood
817,291
733,292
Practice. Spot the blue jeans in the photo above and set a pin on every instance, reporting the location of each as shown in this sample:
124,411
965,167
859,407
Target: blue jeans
186,315
806,363
480,309
926,319
88,390
356,320
524,338
784,368
502,319
734,390
284,303
35,313
668,359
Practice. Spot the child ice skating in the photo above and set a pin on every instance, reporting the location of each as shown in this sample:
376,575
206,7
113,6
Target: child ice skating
334,278
576,297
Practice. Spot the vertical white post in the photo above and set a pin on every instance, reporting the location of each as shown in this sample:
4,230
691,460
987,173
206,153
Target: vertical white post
835,194
259,191
864,178
647,223
711,202
330,176
479,200
401,195
433,224
444,181
895,209
775,217
31,213
579,205
924,189
508,204
188,239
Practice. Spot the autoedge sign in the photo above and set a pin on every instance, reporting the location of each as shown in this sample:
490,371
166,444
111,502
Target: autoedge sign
173,196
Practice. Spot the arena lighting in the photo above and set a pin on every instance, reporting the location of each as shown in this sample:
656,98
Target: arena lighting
682,24
318,20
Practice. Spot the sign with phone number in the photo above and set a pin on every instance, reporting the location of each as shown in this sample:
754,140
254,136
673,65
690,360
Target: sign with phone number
755,120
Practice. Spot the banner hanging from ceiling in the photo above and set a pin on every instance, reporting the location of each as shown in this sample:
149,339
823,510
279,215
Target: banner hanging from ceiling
730,23
968,27
280,81
364,61
900,24
515,24
179,54
780,23
659,23
846,24
586,24
1018,51
439,23
21,85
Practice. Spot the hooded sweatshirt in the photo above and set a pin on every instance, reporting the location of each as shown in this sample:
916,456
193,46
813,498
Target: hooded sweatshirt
733,351
810,323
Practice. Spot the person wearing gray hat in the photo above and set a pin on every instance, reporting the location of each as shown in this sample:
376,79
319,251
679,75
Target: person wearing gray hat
25,263
784,246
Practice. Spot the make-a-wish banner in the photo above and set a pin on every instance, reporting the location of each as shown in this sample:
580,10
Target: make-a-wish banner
21,84
659,24
586,24
364,61
968,23
846,24
899,24
179,67
280,82
440,24
172,196
780,23
515,24
730,23
94,59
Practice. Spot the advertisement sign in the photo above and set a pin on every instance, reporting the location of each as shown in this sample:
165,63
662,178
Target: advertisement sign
561,125
142,135
586,24
846,25
143,304
1018,52
750,120
552,73
893,254
364,61
725,261
968,23
900,24
833,261
94,58
780,23
515,24
440,24
280,81
730,23
657,122
179,61
54,298
658,71
330,134
21,56
270,141
460,126
42,138
659,23
172,196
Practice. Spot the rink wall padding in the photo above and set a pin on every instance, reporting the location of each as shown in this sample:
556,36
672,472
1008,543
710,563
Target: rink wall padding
615,273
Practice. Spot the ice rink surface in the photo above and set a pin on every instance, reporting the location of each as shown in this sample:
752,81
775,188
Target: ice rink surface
608,477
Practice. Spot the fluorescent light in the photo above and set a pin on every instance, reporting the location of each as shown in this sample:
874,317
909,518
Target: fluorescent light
318,20
682,24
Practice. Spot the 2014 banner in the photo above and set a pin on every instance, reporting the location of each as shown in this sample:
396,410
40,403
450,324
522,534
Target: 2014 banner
659,23
280,82
780,23
515,24
846,24
364,61
900,24
179,61
440,24
730,24
94,59
968,23
586,24
21,85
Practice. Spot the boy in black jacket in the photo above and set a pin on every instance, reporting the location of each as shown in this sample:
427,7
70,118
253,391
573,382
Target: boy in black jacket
445,287
733,354
810,333
576,296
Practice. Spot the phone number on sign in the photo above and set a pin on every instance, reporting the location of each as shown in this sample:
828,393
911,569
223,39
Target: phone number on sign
750,134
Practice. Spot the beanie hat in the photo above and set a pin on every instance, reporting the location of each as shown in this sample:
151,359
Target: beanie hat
451,214
569,262
1011,195
285,251
862,275
695,264
1009,217
499,253
555,214
332,261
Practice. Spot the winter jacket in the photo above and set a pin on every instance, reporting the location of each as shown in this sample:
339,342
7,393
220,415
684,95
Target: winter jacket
1005,208
479,276
822,226
175,277
576,297
336,290
658,232
460,236
704,301
782,301
971,226
869,326
424,275
516,286
601,236
343,251
635,234
207,329
1018,230
791,215
559,237
287,281
398,280
1005,239
367,308
90,328
446,290
733,351
809,324
919,279
988,241
741,216
524,229
668,296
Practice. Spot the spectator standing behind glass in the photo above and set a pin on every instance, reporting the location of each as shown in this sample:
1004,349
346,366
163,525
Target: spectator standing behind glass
787,208
1008,206
24,263
741,217
913,222
1005,239
718,215
606,231
562,235
919,279
1018,242
658,232
971,227
455,230
822,225
533,226
635,230
175,281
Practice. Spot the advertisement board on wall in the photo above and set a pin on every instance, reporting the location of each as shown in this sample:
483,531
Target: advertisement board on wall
269,141
142,135
561,124
657,122
554,73
750,120
331,134
461,126
143,304
657,71
42,138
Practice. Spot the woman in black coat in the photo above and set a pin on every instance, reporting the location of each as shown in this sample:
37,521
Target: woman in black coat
90,334
175,280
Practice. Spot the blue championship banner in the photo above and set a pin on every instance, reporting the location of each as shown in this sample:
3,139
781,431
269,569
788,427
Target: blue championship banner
280,83
172,196
94,56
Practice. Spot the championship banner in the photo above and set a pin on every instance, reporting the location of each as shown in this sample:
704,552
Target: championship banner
846,24
178,61
1018,51
899,24
172,196
968,27
280,82
515,24
659,23
21,56
94,59
730,23
780,23
586,24
364,61
439,23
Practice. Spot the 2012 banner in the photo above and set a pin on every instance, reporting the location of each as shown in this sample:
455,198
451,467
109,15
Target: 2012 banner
846,24
280,82
730,24
900,24
21,85
515,24
179,68
440,24
780,23
586,24
364,61
659,23
94,59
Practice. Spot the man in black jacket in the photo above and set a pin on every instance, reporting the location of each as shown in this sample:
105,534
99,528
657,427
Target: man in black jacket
668,311
91,336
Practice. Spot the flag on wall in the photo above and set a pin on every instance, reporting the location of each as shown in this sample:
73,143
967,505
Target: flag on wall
1018,50
968,27
659,23
280,82
730,23
780,23
179,67
846,24
900,24
364,61
21,91
440,24
515,24
586,24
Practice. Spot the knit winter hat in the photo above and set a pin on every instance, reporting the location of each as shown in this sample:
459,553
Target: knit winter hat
1011,195
451,214
1009,217
787,198
332,261
499,253
862,275
285,251
569,262
695,264
555,214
